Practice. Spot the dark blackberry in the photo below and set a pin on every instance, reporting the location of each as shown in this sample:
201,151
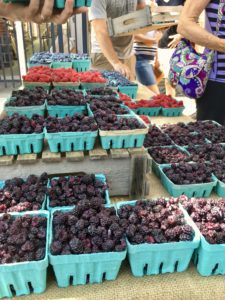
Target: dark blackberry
76,246
108,245
185,237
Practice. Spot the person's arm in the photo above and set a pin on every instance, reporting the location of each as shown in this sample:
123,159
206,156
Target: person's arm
38,11
189,28
142,38
148,41
105,43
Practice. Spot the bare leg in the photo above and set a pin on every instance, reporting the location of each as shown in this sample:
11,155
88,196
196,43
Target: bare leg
154,88
169,89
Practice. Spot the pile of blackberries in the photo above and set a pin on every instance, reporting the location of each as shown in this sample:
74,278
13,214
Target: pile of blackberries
22,239
68,191
89,228
19,194
155,221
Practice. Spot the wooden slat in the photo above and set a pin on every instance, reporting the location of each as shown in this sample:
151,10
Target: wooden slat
149,164
119,153
148,28
164,9
6,160
48,156
147,185
98,154
138,176
27,158
133,151
75,156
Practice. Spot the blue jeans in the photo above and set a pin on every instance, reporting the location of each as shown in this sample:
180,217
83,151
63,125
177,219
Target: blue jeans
144,72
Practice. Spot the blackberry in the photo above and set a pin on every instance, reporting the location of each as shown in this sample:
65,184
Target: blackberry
185,237
76,246
108,245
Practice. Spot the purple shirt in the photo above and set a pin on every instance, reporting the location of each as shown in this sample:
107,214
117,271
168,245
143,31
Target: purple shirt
218,70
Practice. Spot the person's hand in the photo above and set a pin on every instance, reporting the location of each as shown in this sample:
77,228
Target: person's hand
39,11
123,69
175,40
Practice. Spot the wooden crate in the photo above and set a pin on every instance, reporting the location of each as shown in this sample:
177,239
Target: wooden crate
126,169
144,20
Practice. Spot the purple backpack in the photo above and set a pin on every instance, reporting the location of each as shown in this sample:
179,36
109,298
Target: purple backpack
189,70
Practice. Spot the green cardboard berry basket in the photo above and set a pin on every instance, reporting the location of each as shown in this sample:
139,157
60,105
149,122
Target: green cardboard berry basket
209,258
61,3
130,90
99,177
68,85
81,65
220,187
154,259
156,166
92,85
58,3
62,111
2,184
25,277
190,190
172,112
149,111
130,113
84,268
28,111
31,65
59,64
32,85
118,139
71,141
13,144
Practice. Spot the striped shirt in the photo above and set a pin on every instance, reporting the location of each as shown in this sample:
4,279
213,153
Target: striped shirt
145,52
218,70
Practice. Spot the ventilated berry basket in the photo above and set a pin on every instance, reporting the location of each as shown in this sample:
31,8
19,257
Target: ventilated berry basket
2,184
71,141
67,85
62,111
172,112
81,65
100,177
153,259
31,65
84,268
61,3
130,113
61,64
118,139
25,277
13,144
58,3
209,258
220,187
129,90
28,111
149,111
32,85
156,166
190,190
92,85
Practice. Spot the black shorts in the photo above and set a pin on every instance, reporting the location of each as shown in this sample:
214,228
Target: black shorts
211,106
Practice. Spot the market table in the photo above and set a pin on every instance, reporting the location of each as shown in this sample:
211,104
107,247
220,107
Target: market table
177,286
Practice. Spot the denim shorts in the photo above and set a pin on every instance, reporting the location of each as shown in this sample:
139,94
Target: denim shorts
144,72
